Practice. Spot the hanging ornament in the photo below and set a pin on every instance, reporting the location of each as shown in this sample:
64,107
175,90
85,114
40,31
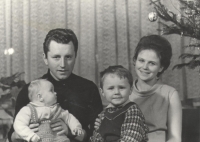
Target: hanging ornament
152,16
193,12
178,18
188,11
181,34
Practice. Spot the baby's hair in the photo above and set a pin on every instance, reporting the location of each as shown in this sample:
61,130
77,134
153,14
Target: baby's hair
34,88
117,70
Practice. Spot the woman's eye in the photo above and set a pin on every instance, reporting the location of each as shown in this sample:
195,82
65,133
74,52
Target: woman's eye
151,63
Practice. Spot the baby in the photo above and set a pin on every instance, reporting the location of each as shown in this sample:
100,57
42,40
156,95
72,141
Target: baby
42,109
122,120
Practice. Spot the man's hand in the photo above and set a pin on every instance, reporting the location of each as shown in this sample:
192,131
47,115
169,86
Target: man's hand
60,126
16,138
34,127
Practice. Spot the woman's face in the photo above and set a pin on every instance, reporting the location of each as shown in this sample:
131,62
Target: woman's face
147,66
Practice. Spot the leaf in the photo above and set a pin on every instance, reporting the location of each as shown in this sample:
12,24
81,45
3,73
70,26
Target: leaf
8,112
10,79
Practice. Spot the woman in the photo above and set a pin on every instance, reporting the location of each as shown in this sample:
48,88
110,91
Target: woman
159,102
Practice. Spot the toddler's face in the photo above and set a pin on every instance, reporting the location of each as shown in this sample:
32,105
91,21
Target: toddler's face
116,90
48,94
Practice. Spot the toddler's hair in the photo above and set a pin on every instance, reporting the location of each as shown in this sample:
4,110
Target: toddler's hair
34,88
117,70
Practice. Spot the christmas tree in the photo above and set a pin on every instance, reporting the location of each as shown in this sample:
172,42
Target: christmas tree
187,24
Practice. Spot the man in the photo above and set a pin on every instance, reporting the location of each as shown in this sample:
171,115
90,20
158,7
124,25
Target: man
77,95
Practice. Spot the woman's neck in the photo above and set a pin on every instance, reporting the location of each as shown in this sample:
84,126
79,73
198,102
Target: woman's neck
145,86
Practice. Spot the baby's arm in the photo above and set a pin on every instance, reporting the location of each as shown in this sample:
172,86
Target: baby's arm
21,124
35,138
134,128
74,125
78,131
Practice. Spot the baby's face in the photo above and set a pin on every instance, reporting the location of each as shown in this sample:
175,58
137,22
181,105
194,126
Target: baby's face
116,89
48,94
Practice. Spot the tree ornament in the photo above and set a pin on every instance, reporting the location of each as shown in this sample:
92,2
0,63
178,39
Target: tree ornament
152,16
178,18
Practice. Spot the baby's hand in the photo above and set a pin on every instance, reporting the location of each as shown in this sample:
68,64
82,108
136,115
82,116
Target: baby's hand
35,138
78,131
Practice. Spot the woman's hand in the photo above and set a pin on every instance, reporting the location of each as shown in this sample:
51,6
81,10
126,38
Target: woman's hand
59,126
98,120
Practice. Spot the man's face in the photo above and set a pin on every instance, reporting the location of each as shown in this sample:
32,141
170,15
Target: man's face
60,59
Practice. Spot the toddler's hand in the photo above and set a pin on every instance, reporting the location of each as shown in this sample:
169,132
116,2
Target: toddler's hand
35,138
78,131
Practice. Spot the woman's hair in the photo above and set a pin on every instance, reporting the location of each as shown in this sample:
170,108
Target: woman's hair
34,88
118,70
160,45
63,36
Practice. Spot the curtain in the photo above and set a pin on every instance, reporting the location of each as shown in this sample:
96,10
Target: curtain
108,32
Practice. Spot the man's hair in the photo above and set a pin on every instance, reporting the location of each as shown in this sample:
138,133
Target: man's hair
63,36
34,88
118,70
160,45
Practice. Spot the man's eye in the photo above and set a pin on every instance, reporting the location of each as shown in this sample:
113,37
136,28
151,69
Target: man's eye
140,60
110,88
68,57
56,57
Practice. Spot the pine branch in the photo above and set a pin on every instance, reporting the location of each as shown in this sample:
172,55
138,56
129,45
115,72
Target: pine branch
188,55
191,65
185,27
186,24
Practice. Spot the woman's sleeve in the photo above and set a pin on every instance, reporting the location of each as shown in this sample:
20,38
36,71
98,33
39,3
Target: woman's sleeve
174,118
134,128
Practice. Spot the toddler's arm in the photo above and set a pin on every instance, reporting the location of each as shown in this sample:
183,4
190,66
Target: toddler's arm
74,125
